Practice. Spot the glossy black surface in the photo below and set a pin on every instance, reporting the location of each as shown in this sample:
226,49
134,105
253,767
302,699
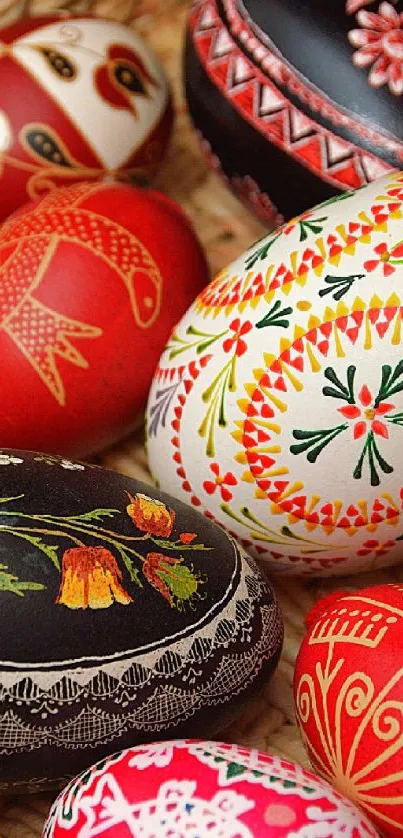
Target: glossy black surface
313,36
244,151
57,632
125,617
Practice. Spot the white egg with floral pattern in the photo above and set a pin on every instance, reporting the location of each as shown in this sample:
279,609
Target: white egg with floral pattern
277,406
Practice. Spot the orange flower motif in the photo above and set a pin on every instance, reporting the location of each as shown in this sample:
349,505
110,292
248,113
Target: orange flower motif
91,578
236,340
150,515
187,537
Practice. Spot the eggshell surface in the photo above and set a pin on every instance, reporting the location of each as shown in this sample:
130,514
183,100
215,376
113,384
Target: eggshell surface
295,102
196,788
127,616
276,407
348,692
80,99
92,279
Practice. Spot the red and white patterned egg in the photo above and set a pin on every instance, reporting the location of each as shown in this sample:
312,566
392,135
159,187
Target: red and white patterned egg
348,687
191,788
92,279
80,99
291,434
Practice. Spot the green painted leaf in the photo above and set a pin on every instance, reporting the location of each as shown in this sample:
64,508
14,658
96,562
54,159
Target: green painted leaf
50,550
180,580
94,515
275,317
13,585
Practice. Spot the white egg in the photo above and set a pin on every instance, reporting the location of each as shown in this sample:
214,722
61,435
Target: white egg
277,406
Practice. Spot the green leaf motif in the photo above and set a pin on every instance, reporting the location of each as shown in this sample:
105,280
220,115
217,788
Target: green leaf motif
182,583
49,550
13,585
261,252
312,225
338,286
340,390
315,441
275,317
93,515
203,340
390,383
371,451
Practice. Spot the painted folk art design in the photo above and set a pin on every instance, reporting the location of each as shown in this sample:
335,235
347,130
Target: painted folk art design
74,352
317,107
348,693
280,393
128,616
193,788
80,99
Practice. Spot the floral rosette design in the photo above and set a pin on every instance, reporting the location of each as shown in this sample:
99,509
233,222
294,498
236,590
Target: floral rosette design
232,791
91,575
379,44
348,694
279,397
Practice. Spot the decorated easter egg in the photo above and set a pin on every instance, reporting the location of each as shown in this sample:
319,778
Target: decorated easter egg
196,788
80,99
92,279
296,101
126,616
348,689
277,405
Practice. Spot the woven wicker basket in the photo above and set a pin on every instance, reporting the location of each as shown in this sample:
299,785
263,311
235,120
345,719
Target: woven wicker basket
225,229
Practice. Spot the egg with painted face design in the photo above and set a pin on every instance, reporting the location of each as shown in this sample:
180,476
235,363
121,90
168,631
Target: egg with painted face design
277,406
194,788
92,279
129,617
296,101
348,693
80,99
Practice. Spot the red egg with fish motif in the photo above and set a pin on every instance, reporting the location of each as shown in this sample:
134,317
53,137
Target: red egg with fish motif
80,99
92,279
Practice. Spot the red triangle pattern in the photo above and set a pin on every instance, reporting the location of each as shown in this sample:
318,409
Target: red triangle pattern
299,506
330,157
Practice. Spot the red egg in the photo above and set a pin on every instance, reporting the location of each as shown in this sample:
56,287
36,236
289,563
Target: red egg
92,280
196,789
80,99
349,699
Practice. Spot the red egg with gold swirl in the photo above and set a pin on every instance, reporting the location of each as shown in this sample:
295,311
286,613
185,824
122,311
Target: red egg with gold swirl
349,699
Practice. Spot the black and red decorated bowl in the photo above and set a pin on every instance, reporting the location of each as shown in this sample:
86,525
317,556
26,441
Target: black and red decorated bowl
296,100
